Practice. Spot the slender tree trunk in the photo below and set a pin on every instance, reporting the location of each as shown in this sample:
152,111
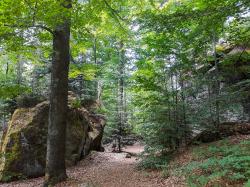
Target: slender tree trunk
177,116
121,107
95,50
183,97
173,142
119,116
210,103
173,96
99,90
99,84
125,109
19,70
55,164
217,83
7,69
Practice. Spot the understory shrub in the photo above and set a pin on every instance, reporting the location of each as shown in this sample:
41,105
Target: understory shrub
219,164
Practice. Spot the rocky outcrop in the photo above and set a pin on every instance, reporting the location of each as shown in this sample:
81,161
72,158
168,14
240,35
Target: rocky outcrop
234,71
224,130
23,145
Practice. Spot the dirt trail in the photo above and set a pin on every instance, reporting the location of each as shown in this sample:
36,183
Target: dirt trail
104,170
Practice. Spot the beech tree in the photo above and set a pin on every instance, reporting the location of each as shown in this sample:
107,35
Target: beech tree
55,166
55,19
28,15
168,67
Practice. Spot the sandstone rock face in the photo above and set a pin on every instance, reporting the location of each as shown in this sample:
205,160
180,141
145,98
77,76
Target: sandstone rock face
23,145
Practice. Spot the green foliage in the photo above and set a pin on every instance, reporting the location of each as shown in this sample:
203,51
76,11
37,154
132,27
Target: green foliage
219,162
89,71
170,49
9,176
175,85
12,91
76,103
155,162
247,184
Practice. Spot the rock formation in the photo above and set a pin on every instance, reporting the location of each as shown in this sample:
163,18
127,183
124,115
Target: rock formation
224,130
23,145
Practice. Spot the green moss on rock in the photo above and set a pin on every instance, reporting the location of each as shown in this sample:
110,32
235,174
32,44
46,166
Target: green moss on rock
23,145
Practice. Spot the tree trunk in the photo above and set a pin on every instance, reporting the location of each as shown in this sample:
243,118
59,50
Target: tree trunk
121,110
217,83
99,83
95,51
211,119
246,108
99,90
20,70
7,69
55,166
183,98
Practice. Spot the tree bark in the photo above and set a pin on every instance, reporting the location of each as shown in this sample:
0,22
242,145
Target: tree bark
121,102
217,83
55,166
183,98
7,69
20,70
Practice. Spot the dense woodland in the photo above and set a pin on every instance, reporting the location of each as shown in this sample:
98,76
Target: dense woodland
171,74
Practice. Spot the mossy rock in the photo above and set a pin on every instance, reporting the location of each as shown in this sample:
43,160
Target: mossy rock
23,145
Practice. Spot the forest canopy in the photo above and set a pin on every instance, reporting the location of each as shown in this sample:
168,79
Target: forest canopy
160,70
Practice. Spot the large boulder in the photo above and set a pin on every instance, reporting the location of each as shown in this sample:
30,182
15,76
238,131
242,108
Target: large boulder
224,130
23,145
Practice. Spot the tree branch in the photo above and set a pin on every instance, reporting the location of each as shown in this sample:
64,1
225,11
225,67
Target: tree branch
114,12
32,26
44,28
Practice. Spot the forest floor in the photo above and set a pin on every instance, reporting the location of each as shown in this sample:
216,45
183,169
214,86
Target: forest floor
108,169
105,169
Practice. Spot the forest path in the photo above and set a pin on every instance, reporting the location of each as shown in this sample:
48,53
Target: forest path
104,169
